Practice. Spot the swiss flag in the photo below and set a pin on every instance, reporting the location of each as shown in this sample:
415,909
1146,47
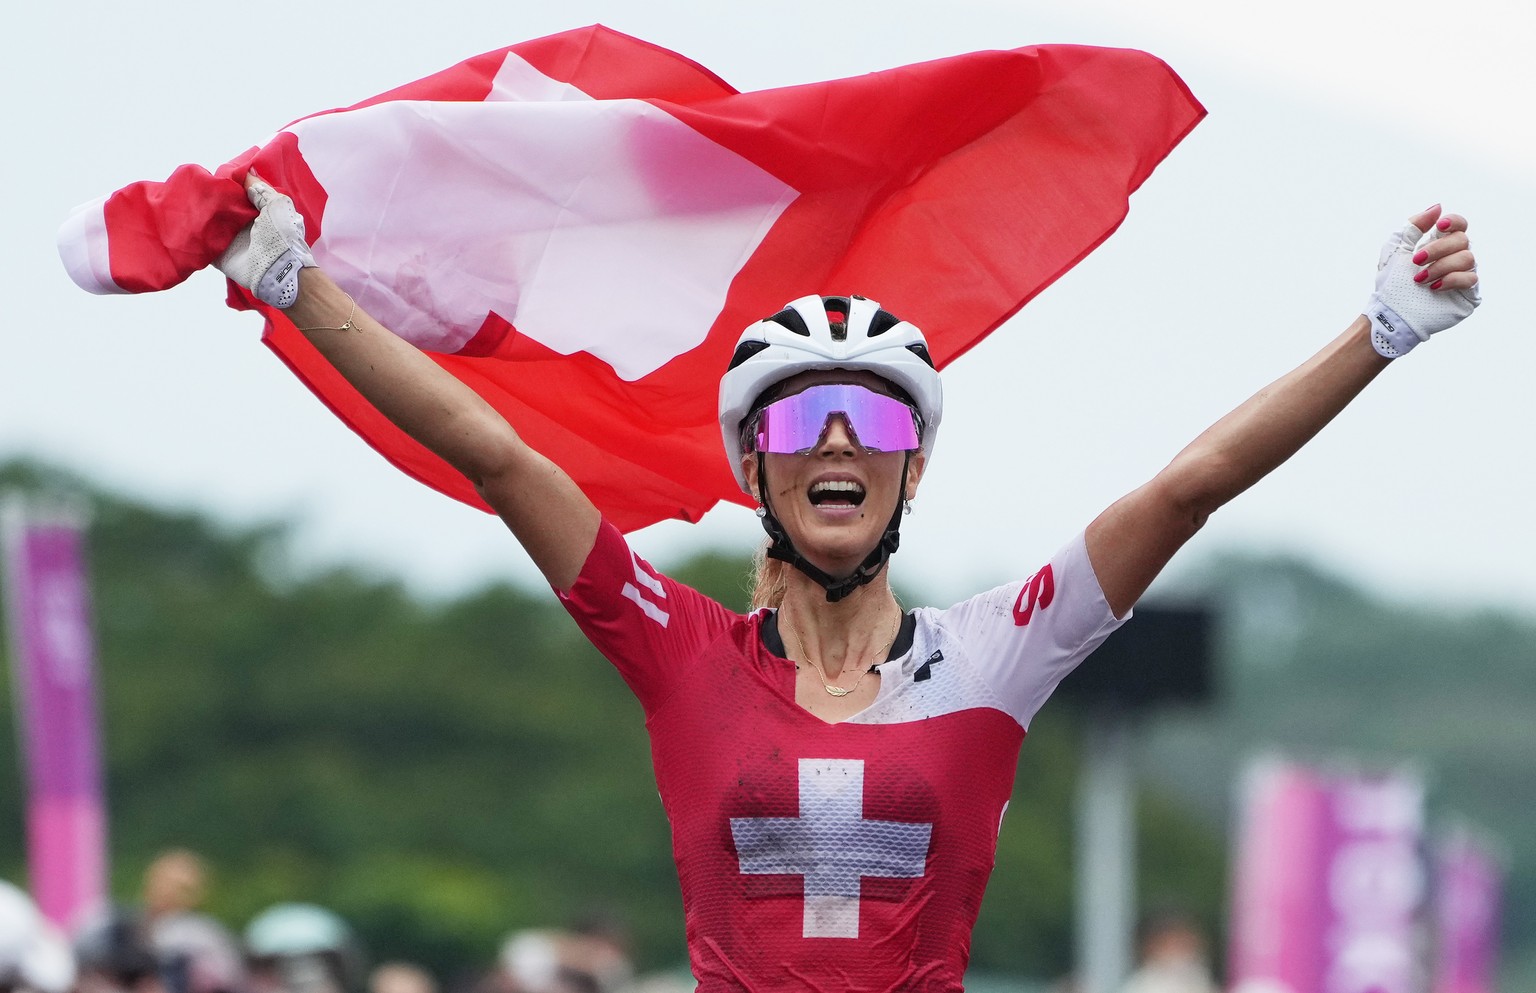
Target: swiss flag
579,227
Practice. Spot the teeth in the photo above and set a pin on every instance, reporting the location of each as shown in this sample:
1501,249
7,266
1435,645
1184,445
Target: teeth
837,486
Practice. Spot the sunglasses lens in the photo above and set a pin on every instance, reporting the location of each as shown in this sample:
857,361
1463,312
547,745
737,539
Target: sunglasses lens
795,424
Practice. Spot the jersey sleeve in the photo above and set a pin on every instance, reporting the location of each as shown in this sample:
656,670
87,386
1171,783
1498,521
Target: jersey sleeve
1024,637
649,626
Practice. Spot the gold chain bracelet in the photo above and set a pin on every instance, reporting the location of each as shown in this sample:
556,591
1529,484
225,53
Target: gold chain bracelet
347,325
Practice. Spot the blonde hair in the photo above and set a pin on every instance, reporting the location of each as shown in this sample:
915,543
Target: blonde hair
770,578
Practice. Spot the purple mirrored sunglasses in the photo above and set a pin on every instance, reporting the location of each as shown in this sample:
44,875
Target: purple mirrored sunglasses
794,425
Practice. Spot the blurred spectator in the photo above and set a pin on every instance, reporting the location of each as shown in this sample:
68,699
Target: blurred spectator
564,962
601,946
115,955
197,954
34,957
663,982
1173,956
302,948
401,977
176,881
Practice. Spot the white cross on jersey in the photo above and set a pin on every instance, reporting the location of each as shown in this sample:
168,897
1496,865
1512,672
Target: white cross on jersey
831,845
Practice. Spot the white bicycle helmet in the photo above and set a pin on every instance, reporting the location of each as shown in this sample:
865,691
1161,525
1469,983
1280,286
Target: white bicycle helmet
33,954
803,337
800,338
306,948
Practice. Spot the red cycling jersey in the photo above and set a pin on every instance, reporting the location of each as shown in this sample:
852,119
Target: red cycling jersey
835,857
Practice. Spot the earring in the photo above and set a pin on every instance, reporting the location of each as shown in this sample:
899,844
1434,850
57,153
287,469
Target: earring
906,507
762,512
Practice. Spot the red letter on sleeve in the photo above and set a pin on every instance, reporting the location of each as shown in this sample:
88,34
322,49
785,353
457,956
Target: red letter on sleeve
1040,591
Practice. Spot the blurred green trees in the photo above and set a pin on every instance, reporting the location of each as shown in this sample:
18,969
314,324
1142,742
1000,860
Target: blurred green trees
443,772
438,773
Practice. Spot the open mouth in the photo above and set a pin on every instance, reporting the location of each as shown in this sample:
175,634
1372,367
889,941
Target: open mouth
832,493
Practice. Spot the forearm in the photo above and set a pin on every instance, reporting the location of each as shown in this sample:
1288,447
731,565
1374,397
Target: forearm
1419,291
542,506
415,393
1134,538
1271,426
551,517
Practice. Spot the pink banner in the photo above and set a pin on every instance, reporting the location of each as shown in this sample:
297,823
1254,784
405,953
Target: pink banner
53,664
1468,881
1329,883
1373,900
1275,936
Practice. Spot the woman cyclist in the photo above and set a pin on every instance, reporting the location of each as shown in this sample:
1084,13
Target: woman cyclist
834,768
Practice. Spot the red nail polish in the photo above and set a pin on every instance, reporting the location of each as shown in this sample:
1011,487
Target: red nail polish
1437,284
1445,222
1421,257
1421,275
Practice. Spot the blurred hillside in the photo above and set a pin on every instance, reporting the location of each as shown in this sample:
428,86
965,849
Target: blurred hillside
443,772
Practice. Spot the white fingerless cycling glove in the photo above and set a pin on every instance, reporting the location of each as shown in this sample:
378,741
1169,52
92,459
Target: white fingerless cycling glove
268,253
1403,313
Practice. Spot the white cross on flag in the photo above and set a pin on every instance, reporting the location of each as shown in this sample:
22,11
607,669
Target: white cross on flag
580,226
831,845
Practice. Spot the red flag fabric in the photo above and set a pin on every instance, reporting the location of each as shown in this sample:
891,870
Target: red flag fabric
580,226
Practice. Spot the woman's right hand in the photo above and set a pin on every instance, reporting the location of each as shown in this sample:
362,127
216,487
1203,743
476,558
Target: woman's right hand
268,253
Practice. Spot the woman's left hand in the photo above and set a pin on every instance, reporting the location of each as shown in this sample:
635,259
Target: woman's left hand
1424,285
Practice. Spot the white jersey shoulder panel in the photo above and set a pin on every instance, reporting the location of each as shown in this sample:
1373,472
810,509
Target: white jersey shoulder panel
1005,649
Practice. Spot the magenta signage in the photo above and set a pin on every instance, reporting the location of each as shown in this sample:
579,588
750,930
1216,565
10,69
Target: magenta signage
1468,881
1275,934
53,664
1374,888
1329,888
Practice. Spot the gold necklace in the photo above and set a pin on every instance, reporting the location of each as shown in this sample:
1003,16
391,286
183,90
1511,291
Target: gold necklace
834,690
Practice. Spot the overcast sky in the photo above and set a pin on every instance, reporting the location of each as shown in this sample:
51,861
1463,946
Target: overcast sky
1252,245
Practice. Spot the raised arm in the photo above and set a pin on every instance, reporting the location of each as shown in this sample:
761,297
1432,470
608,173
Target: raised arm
543,507
1131,542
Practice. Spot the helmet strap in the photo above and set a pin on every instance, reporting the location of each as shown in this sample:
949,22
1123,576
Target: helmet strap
781,548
